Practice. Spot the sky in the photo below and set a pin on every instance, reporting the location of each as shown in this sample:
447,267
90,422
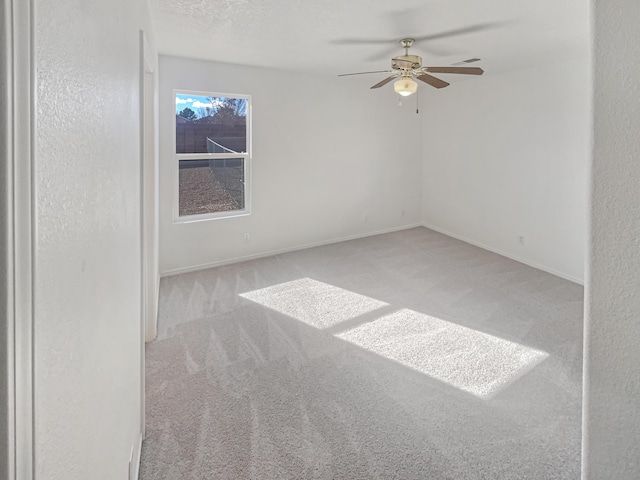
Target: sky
197,103
194,102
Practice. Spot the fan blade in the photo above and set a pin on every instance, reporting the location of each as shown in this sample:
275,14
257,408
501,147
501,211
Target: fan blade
462,70
382,54
364,73
418,38
458,31
360,41
402,26
384,82
433,81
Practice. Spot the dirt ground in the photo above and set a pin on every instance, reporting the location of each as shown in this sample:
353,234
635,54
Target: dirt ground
202,191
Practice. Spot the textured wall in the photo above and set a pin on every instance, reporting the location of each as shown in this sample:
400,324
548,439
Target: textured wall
326,151
507,155
87,270
612,387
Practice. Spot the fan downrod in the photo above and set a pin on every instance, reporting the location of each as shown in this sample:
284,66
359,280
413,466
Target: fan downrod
406,44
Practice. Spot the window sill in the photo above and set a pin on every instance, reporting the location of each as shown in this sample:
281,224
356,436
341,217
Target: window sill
205,217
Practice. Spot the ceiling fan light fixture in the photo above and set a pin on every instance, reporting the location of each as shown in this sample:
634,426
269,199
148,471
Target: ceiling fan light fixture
405,86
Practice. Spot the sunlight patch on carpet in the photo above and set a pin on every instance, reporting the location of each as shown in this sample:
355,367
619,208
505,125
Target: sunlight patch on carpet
315,303
472,361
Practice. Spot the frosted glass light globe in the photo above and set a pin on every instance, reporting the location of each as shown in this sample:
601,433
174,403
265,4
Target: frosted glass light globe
405,86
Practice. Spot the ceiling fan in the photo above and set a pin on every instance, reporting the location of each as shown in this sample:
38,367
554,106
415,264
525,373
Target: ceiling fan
407,67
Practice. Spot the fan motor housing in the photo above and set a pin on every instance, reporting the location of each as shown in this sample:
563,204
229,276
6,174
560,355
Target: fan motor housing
406,62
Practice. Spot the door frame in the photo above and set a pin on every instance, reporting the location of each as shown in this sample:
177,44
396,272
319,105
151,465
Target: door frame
149,197
17,237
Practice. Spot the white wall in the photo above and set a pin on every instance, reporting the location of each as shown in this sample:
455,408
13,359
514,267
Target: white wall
611,427
87,220
507,155
326,151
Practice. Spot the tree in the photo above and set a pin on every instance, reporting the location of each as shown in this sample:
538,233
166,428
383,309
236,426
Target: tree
188,114
232,111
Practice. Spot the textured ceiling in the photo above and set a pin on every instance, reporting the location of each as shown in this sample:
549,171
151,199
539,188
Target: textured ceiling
343,36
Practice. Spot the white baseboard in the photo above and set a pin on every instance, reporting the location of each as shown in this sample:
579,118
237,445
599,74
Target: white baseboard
194,268
136,457
269,253
508,255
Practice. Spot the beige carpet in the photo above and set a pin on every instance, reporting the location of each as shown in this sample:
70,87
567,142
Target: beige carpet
408,355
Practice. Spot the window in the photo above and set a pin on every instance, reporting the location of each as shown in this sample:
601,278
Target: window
212,155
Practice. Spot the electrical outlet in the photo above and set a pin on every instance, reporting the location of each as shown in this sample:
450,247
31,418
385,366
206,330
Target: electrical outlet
402,213
246,237
521,239
364,218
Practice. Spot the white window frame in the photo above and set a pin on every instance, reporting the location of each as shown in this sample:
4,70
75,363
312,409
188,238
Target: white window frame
246,156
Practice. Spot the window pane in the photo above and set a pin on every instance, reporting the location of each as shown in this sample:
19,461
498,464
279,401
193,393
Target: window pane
211,185
210,124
